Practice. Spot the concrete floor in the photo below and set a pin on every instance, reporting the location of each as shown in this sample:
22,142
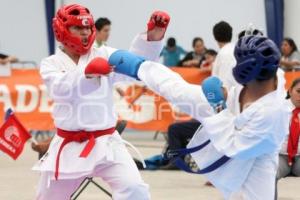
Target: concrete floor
18,182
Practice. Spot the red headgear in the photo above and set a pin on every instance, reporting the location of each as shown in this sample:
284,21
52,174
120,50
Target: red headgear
73,15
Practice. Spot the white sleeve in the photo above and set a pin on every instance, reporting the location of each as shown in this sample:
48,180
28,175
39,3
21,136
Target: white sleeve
222,68
140,46
149,49
189,98
65,86
251,140
117,77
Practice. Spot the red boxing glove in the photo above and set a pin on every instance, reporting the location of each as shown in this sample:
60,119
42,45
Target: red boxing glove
160,19
157,25
97,67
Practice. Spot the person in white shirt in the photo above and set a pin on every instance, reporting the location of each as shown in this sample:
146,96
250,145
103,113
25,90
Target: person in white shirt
79,81
103,27
248,133
225,61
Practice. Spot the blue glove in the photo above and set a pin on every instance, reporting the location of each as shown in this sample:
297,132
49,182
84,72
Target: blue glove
212,88
126,63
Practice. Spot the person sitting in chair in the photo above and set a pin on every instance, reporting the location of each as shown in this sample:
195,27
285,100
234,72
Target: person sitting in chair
289,156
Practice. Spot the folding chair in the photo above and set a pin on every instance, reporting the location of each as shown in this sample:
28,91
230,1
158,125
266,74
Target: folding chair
120,128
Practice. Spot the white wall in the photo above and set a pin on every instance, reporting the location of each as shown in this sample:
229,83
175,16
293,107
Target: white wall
23,29
23,33
291,20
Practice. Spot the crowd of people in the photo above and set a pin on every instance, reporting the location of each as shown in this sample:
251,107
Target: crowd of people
173,55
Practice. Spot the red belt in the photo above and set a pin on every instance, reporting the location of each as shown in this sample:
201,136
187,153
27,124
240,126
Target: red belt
79,136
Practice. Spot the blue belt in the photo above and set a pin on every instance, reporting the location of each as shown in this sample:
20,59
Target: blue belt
176,157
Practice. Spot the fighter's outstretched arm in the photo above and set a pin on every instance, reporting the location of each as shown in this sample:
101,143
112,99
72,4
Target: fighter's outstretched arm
188,97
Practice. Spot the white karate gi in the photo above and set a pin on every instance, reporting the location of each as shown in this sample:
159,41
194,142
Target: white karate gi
87,104
252,138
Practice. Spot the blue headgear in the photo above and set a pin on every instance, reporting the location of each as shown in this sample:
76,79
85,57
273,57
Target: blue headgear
212,88
257,58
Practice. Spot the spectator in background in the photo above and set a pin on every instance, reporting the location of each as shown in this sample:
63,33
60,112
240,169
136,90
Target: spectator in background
209,58
4,59
225,61
195,57
102,31
290,59
171,53
289,156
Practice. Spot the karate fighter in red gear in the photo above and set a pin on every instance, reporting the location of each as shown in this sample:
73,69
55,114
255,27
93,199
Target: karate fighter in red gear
79,81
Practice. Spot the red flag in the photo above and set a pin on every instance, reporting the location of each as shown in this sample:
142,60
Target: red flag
13,137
